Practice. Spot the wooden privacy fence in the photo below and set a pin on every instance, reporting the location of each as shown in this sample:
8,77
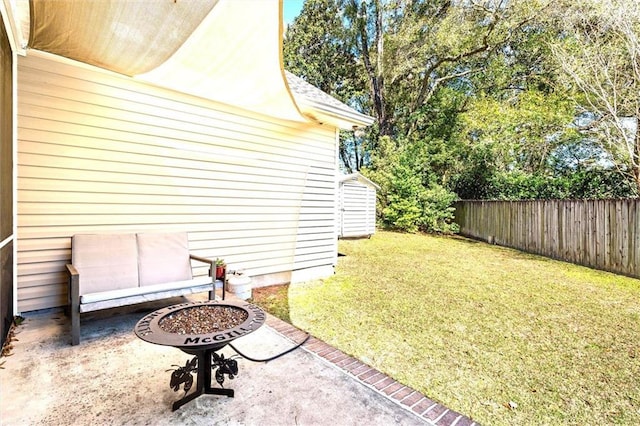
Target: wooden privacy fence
602,234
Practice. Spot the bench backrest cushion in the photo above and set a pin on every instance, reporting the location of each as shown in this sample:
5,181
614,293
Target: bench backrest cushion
163,257
105,262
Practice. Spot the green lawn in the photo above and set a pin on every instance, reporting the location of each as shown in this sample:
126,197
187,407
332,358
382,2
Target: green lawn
503,337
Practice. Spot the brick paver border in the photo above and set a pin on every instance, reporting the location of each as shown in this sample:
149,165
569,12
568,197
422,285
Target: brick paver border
430,411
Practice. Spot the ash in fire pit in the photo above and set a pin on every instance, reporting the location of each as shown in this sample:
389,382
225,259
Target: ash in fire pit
203,320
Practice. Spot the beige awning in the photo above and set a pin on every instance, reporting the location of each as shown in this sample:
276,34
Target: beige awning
234,57
128,37
224,50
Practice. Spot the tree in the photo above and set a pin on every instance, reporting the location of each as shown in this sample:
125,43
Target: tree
318,48
412,49
600,54
469,95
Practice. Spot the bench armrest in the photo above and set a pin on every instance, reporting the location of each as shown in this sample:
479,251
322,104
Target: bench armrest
212,272
203,260
72,270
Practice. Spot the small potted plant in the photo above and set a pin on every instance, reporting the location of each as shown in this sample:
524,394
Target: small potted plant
220,268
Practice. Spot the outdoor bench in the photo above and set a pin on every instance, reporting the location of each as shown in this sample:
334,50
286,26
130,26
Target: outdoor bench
112,270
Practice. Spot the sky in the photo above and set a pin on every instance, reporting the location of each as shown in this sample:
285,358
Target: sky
291,9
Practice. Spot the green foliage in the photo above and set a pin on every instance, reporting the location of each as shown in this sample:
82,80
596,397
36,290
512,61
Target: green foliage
316,48
595,183
598,183
409,203
599,53
523,186
470,98
403,211
319,48
438,211
522,133
530,148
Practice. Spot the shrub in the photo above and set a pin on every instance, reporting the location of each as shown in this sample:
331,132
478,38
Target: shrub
413,207
438,210
404,196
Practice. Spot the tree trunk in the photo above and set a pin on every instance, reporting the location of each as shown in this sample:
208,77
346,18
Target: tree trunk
374,71
635,157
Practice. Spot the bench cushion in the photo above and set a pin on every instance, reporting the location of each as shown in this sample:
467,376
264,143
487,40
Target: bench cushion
105,261
130,296
163,257
137,291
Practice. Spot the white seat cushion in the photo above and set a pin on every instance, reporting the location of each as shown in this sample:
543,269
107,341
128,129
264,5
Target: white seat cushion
163,257
136,291
105,262
97,301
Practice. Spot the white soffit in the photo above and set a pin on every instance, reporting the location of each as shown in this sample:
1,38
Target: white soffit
321,107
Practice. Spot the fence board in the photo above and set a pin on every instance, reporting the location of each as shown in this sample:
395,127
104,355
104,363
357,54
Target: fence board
602,234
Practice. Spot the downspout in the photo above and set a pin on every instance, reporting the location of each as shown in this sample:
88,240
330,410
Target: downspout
336,188
14,141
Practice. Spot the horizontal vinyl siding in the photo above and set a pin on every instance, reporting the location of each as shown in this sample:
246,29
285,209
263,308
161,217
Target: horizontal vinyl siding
103,153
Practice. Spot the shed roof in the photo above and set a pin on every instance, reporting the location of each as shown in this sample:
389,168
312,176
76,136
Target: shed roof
358,178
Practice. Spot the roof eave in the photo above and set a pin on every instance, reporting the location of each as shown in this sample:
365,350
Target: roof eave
341,118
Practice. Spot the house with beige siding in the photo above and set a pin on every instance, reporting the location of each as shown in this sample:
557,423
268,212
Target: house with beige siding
161,116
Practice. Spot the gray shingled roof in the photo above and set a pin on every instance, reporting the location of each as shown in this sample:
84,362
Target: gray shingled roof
321,106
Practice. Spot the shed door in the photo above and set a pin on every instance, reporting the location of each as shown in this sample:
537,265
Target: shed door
357,210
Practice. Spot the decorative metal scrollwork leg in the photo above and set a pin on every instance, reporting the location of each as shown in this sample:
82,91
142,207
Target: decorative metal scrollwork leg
203,363
228,366
184,375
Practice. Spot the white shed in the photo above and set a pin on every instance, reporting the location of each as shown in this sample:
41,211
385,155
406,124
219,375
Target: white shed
357,206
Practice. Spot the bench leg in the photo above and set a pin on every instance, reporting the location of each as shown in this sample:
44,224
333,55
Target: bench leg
75,310
212,293
75,327
224,282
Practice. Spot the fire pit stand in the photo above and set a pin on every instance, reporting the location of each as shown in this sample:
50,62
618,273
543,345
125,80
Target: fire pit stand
201,329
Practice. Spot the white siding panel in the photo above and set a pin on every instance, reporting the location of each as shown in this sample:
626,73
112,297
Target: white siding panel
103,153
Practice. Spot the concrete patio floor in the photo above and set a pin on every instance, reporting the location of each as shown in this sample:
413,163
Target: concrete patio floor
113,377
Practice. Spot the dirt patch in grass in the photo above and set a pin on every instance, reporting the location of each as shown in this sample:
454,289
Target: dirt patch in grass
273,299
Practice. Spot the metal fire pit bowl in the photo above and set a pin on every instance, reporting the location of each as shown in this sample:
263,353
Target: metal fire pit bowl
203,346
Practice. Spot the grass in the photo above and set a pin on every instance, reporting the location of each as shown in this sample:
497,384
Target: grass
503,337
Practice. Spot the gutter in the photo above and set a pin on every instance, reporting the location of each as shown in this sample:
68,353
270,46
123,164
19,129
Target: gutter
355,118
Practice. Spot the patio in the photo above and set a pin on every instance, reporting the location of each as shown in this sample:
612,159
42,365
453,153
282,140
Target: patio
114,377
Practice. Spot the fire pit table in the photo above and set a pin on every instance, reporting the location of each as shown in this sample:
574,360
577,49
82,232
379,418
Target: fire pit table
201,329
